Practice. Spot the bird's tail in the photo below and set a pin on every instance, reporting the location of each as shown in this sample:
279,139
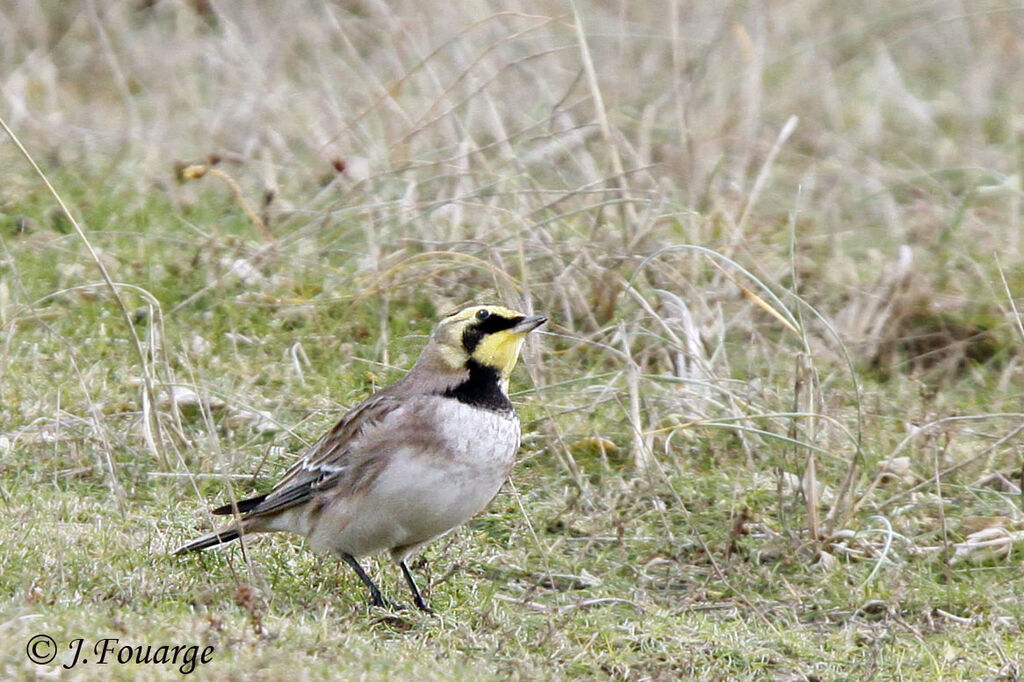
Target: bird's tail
229,533
217,537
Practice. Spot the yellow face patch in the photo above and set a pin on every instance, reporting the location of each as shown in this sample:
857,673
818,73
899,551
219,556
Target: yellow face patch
498,349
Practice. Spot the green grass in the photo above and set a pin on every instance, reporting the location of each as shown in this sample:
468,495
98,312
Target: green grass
776,407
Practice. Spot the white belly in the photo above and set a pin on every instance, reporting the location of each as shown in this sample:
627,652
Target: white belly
421,494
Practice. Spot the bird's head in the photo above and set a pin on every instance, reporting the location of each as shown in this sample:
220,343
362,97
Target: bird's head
489,335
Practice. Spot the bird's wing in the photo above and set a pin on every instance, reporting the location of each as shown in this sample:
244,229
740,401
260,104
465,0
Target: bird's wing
327,460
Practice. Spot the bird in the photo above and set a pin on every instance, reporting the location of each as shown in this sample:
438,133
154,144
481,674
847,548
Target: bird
409,464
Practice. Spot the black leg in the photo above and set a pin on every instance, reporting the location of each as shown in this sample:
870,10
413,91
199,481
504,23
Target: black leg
375,596
417,599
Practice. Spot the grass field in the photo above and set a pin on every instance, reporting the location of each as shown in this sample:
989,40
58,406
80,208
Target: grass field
773,430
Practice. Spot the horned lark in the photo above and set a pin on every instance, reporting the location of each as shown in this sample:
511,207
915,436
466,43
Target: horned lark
416,460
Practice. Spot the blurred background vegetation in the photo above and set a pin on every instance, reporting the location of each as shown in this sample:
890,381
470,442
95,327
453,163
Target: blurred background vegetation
773,429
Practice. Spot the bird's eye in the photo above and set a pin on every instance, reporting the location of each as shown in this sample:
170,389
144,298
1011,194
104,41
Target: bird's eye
483,314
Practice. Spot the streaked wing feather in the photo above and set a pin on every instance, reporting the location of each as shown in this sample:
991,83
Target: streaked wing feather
326,461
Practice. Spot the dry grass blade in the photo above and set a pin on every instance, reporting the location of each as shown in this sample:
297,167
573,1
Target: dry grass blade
194,172
154,434
618,170
762,176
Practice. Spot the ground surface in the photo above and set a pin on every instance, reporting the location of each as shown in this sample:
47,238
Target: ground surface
772,431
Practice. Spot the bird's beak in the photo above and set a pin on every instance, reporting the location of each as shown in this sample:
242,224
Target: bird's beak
528,324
